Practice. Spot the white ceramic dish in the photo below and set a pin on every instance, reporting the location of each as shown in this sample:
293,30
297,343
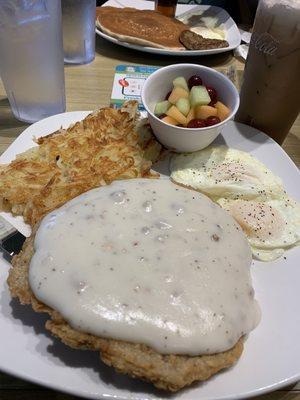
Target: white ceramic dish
271,358
181,139
233,36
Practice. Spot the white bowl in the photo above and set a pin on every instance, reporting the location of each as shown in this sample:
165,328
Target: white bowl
180,139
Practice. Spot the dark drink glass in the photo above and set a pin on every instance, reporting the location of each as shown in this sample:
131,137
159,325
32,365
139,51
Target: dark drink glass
166,7
270,94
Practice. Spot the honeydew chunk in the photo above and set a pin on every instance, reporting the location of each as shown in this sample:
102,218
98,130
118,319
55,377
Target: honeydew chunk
222,110
204,112
199,96
177,115
169,120
178,93
183,106
162,107
180,81
191,115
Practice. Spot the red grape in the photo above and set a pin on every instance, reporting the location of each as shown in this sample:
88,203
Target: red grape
194,80
212,121
168,95
213,94
212,103
196,123
162,116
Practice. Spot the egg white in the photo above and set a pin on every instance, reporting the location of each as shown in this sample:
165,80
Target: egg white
227,173
209,33
271,226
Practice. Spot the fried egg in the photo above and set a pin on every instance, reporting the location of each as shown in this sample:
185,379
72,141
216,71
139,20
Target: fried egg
270,226
249,191
227,173
209,33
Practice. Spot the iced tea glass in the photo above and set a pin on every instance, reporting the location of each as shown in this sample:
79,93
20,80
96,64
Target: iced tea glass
166,7
270,94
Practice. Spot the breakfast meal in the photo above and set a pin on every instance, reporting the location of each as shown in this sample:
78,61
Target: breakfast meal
183,300
152,273
249,191
191,104
107,145
145,272
153,29
193,41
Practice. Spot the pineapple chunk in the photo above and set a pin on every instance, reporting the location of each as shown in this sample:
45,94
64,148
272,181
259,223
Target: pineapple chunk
222,110
176,94
169,120
177,115
204,112
191,115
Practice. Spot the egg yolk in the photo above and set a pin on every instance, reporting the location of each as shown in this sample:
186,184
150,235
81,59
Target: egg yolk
258,220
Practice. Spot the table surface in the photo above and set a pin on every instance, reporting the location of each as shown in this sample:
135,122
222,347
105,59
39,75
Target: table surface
89,87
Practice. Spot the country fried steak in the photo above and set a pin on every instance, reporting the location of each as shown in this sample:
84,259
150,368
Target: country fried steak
168,372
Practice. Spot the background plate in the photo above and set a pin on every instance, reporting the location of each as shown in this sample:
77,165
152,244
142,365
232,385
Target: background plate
271,358
233,36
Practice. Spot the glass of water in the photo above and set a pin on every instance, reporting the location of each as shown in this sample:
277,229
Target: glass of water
31,57
79,30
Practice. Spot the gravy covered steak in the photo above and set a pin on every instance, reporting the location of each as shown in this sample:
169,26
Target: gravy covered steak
154,276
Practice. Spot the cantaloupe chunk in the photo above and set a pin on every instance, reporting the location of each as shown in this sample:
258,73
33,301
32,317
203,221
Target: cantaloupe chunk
169,120
177,115
177,93
204,112
191,115
222,110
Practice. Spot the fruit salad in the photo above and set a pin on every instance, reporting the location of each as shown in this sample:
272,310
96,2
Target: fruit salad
191,104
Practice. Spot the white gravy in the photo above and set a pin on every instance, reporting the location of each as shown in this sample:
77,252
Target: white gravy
147,261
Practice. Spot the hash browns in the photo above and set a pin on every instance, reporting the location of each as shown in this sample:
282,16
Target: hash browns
105,146
169,372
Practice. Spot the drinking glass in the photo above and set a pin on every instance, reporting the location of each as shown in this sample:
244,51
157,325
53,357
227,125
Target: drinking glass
31,57
79,30
270,94
166,7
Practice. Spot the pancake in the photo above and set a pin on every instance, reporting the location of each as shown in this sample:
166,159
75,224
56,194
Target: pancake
142,27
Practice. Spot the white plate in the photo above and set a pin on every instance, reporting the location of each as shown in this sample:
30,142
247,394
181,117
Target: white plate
233,36
271,358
